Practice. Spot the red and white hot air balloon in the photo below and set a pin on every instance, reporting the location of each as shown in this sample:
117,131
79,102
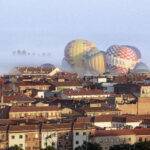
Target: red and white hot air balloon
122,58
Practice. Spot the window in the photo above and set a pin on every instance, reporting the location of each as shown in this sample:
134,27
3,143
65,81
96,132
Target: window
106,140
140,139
84,133
53,144
101,140
84,142
77,142
77,133
20,136
129,139
36,135
21,145
12,137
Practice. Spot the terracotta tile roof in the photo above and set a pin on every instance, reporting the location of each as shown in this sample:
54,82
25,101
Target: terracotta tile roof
65,75
82,126
33,108
23,128
32,83
142,131
70,83
20,121
83,91
98,109
17,97
84,119
3,128
103,118
45,127
61,126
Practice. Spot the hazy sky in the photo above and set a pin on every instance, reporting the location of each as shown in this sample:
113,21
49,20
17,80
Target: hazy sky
48,25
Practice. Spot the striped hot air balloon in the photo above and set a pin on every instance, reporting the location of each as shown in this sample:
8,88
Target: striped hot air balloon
75,50
95,61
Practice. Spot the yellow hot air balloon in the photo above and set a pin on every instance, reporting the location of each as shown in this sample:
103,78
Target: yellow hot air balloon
95,61
75,50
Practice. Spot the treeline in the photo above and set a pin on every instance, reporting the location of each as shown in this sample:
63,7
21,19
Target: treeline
137,146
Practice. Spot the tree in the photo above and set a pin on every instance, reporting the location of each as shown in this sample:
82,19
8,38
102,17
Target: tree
15,147
89,146
137,146
142,145
49,148
121,147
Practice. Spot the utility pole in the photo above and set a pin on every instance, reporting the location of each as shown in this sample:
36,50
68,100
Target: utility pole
72,132
40,135
2,93
7,136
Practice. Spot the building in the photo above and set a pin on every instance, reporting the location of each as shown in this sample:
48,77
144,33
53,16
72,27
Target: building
96,111
141,107
81,132
31,112
25,85
108,138
79,94
3,137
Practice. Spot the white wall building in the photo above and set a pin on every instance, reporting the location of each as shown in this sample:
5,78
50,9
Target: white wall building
79,137
49,139
17,139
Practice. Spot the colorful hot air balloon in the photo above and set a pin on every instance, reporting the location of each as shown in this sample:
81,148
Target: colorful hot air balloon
122,58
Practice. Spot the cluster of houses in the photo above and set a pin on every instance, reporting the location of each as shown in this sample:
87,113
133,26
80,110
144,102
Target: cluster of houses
48,107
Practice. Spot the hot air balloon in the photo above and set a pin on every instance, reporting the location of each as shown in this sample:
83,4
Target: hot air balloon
121,59
95,61
75,50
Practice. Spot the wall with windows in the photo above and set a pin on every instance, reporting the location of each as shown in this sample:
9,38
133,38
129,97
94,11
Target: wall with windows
107,141
17,139
79,137
49,139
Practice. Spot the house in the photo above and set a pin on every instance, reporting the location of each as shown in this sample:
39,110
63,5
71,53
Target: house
59,86
103,121
34,71
96,111
83,93
81,132
48,112
108,138
38,85
17,99
19,135
38,136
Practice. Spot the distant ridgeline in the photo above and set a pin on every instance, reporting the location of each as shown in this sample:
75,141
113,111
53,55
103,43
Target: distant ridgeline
28,53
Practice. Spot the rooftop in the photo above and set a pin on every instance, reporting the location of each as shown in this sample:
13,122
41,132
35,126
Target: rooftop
33,108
